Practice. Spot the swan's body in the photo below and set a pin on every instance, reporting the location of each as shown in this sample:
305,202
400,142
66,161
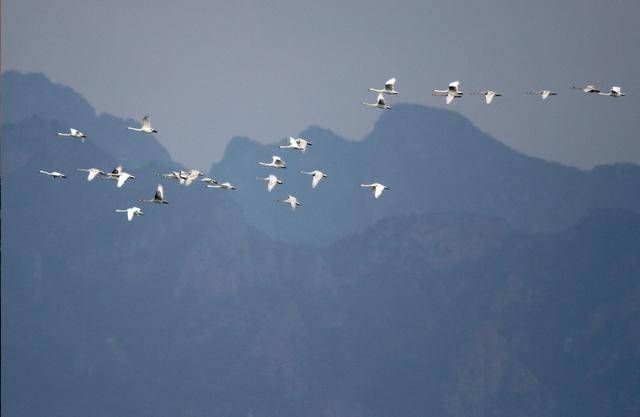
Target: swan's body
93,172
544,94
488,95
389,87
589,88
276,162
272,181
452,92
376,187
224,186
74,133
615,92
131,212
208,180
317,176
292,201
381,103
158,197
54,175
146,126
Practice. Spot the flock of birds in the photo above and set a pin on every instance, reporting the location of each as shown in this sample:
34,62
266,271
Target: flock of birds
187,178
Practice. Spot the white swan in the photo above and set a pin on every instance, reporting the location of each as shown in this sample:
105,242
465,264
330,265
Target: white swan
276,162
119,175
589,88
54,175
543,93
93,172
317,176
488,95
615,92
224,186
186,178
452,92
158,197
389,87
272,181
146,126
377,188
292,201
74,133
381,103
132,211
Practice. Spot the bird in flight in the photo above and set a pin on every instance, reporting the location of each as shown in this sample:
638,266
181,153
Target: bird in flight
146,126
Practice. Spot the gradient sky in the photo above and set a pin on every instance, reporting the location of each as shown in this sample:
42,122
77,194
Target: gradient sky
206,71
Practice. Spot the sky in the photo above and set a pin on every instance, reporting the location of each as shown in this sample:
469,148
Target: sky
207,70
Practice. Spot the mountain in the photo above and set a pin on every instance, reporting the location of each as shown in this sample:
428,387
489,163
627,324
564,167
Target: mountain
32,96
192,310
434,161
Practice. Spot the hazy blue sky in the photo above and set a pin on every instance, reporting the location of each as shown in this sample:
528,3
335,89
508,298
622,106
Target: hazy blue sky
206,71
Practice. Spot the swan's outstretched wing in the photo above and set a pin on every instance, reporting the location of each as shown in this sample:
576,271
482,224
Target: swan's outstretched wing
381,100
454,86
450,98
616,90
130,214
389,84
317,176
489,96
159,192
272,182
92,174
545,94
377,190
146,122
121,180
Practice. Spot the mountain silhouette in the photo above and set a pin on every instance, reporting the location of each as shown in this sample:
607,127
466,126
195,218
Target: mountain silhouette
454,294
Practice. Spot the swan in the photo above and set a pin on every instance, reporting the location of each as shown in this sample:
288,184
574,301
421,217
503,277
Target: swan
380,104
452,92
589,88
291,200
543,93
146,126
272,181
93,172
276,162
158,196
377,188
55,175
74,133
132,211
224,186
488,95
317,176
119,175
615,92
389,87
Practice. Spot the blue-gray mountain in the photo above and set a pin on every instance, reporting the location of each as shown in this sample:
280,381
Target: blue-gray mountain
434,161
191,310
